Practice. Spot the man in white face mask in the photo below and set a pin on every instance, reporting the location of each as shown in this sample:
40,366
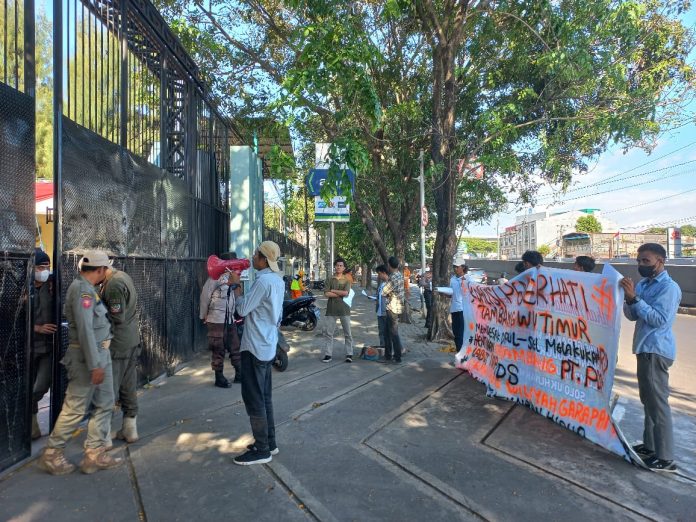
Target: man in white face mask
44,328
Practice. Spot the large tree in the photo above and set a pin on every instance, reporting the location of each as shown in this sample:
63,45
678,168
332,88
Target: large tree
529,90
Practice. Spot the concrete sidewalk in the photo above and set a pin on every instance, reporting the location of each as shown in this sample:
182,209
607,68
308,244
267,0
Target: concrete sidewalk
361,441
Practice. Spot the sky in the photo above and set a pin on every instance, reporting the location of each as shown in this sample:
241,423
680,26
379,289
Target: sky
661,197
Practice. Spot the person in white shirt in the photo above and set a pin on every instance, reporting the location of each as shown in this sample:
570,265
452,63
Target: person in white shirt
457,304
262,308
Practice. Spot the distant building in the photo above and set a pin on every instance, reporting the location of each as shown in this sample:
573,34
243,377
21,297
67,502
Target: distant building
531,231
608,246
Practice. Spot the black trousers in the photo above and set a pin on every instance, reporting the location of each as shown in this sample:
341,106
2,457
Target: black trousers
392,341
428,298
257,394
458,329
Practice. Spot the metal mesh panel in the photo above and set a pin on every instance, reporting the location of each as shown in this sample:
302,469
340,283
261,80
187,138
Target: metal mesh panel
14,361
96,199
180,311
146,234
16,171
200,332
149,279
177,217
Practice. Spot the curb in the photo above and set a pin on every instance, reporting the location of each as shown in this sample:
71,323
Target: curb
687,310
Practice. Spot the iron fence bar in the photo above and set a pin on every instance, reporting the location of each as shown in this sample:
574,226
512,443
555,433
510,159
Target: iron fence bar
16,43
123,140
56,398
4,47
29,49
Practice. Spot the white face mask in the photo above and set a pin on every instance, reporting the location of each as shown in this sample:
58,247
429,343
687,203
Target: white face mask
41,276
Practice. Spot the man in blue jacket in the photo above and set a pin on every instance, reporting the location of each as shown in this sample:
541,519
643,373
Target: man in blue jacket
653,304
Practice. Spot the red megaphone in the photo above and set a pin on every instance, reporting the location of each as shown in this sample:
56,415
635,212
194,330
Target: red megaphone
217,266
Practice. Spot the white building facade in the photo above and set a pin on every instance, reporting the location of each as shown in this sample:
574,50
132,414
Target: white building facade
531,231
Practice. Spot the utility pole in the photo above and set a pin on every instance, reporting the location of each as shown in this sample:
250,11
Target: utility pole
497,233
424,213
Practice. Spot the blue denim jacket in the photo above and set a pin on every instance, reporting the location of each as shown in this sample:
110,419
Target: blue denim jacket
381,305
654,315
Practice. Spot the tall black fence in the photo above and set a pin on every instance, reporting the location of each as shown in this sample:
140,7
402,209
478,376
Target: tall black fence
17,238
141,170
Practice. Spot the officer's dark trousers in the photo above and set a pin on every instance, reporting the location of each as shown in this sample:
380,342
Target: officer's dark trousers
42,368
257,396
216,344
428,298
126,381
392,341
458,329
653,388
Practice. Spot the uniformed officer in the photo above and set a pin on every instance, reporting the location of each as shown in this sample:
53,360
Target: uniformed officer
120,297
88,364
44,328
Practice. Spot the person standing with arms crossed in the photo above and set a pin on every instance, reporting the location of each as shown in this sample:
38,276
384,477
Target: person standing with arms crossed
653,305
88,363
121,300
262,308
337,288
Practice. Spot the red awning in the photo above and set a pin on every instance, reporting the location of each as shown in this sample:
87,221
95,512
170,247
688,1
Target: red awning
43,190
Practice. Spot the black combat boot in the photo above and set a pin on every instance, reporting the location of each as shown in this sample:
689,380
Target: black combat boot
237,373
220,380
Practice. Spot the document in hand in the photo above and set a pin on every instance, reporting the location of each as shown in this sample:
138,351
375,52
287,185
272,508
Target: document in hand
349,298
373,297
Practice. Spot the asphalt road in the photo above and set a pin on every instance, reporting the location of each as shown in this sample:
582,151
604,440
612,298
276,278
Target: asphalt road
682,373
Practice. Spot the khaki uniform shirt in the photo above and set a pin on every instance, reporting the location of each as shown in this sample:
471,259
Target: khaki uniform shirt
120,297
336,306
88,325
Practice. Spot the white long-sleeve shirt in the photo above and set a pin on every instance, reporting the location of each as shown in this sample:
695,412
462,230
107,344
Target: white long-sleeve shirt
262,308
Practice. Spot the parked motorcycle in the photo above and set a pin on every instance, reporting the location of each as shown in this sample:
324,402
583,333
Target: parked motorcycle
301,313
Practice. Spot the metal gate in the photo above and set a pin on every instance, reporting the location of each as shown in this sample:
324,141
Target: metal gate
141,171
17,229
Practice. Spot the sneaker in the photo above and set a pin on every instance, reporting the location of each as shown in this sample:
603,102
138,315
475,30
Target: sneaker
643,451
349,358
327,358
253,457
655,464
274,450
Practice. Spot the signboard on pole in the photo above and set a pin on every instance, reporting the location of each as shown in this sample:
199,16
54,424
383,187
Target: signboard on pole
317,178
424,216
336,210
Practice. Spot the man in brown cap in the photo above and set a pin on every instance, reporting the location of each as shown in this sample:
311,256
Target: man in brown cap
262,308
88,363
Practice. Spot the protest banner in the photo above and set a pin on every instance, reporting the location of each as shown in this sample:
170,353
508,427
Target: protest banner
548,339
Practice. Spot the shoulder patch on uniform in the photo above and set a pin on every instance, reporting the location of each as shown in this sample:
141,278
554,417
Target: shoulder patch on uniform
86,301
115,308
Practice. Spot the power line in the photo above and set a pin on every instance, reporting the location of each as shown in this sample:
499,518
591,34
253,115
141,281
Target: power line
628,186
676,221
607,181
614,176
649,202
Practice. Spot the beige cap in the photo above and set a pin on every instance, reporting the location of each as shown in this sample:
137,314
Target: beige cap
94,258
459,261
271,251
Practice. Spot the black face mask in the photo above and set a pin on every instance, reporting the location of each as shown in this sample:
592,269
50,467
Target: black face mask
647,271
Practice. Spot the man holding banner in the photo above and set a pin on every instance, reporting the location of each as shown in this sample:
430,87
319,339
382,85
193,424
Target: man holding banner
653,304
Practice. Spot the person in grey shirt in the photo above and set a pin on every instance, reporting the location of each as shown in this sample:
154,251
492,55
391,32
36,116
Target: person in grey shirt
262,308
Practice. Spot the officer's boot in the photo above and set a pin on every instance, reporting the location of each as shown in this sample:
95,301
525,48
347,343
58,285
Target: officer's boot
96,459
35,430
53,460
129,430
220,380
237,373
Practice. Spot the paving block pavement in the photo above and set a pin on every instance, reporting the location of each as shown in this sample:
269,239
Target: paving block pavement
360,441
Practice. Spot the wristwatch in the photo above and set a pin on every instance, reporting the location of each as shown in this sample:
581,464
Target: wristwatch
633,301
